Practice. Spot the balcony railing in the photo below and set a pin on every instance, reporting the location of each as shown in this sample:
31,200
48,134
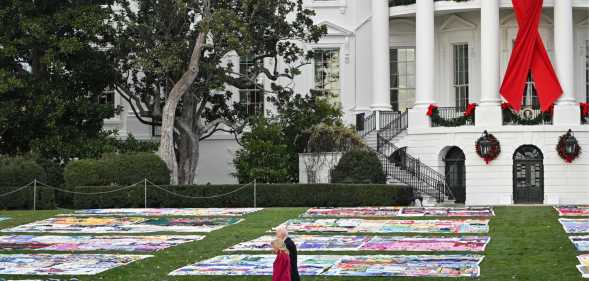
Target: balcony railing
393,3
452,117
366,124
387,118
527,117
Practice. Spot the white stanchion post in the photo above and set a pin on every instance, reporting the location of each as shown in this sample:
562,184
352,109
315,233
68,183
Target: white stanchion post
35,194
255,195
145,193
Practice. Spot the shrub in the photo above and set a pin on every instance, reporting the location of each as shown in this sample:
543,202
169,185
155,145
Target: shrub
17,172
54,172
264,155
114,169
359,166
268,195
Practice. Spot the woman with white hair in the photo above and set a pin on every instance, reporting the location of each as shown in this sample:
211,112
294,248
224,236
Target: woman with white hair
282,234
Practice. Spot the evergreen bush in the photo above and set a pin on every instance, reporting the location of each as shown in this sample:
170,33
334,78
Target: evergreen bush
359,166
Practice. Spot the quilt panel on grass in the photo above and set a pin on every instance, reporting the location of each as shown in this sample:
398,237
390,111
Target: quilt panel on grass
123,225
76,264
143,244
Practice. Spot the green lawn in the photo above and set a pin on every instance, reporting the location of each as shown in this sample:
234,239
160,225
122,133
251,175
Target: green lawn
527,243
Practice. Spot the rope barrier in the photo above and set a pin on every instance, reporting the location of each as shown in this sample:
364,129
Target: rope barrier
16,190
200,197
38,184
88,193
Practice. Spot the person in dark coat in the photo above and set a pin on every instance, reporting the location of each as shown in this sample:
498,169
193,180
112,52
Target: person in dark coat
282,234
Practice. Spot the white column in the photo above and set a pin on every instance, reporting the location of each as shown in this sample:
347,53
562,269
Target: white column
566,111
489,111
424,58
381,69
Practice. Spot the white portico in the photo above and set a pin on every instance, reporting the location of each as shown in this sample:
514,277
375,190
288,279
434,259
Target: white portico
387,61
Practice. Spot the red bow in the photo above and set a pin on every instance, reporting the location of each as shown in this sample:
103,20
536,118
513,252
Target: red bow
584,109
470,109
430,109
528,54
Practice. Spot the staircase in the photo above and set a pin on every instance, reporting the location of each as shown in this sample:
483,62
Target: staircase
400,166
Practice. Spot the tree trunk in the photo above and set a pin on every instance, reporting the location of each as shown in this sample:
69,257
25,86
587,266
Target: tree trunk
188,156
167,150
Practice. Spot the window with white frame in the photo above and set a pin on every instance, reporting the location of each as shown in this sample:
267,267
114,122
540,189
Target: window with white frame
530,97
327,71
252,100
402,62
460,81
107,98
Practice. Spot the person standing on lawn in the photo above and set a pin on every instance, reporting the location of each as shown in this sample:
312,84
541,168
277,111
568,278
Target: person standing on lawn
282,234
281,267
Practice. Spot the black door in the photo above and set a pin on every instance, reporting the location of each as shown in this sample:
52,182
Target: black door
528,175
456,173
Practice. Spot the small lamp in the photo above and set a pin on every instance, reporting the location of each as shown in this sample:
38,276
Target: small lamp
486,144
570,143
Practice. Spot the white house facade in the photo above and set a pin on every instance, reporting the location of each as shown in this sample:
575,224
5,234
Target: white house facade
388,62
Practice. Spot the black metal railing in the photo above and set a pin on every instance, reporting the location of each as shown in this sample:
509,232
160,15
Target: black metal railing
526,117
452,117
396,126
393,3
369,124
400,165
387,117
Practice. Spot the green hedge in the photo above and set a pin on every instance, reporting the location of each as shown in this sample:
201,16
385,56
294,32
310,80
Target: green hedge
116,169
268,195
17,172
113,170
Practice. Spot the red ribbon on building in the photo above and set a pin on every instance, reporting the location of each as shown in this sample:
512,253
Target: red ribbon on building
584,109
528,54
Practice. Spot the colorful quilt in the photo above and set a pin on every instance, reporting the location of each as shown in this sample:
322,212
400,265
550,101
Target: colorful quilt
143,244
123,225
423,266
254,265
195,212
584,266
28,264
358,212
575,225
573,211
581,243
447,212
383,212
308,243
410,266
387,226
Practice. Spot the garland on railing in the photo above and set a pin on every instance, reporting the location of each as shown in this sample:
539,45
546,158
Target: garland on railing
510,114
434,113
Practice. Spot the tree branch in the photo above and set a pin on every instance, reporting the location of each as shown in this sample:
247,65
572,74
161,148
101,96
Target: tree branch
137,114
